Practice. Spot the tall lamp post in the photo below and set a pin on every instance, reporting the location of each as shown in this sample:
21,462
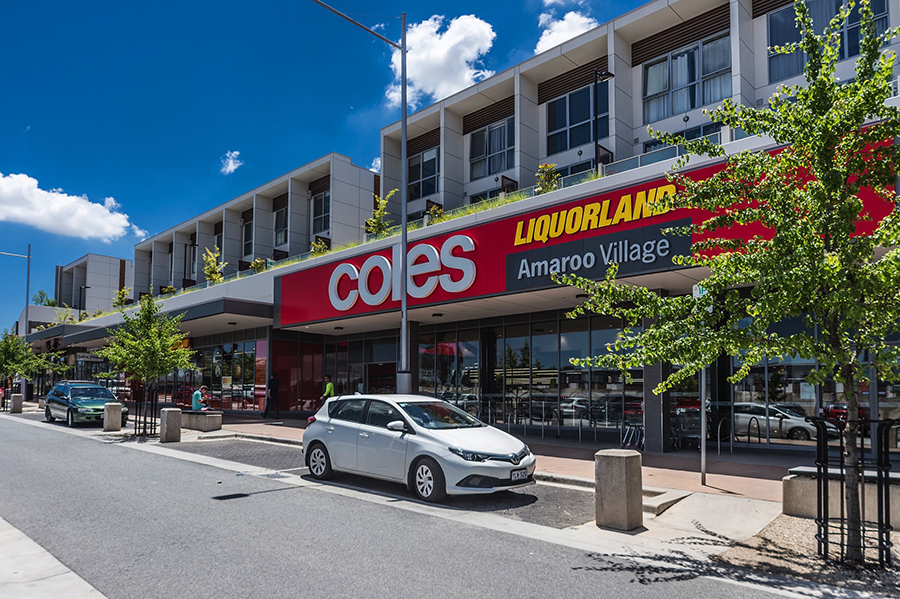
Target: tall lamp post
599,77
27,283
404,376
27,257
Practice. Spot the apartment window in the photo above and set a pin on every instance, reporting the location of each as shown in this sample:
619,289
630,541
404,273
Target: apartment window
218,232
688,134
321,210
192,257
171,264
783,30
248,237
687,79
424,170
569,118
281,235
574,169
492,149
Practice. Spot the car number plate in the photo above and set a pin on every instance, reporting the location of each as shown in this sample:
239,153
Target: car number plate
518,475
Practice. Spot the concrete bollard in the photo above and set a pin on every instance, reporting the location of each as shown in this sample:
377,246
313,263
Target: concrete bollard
16,407
170,425
619,503
112,416
42,403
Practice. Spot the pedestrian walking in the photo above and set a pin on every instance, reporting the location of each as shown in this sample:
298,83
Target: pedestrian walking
272,396
329,389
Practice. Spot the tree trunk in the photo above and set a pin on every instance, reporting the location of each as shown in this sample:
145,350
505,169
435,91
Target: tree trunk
854,553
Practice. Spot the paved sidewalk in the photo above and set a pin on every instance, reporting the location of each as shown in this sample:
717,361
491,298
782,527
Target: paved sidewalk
746,475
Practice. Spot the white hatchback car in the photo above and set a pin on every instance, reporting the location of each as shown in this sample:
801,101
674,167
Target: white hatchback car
433,447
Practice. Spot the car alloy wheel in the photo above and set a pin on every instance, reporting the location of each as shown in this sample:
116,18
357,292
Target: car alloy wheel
799,434
319,463
429,481
70,418
47,415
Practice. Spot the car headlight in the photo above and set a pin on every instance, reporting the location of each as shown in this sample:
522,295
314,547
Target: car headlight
85,410
469,456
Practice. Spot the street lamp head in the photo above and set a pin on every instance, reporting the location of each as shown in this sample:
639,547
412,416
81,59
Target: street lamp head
603,76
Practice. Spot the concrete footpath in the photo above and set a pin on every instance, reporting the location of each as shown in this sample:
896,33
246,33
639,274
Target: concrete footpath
745,483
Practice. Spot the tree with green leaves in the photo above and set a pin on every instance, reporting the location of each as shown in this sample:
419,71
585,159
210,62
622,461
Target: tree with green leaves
42,299
17,357
147,345
829,254
212,268
379,224
120,297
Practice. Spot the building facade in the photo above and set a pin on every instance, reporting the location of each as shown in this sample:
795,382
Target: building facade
488,328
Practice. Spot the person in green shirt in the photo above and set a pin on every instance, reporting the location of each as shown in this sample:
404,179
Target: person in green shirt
329,389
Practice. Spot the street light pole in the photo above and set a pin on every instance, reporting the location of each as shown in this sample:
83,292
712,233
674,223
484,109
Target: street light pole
404,376
27,282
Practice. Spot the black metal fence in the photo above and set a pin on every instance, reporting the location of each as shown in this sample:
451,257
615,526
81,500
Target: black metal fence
146,408
874,467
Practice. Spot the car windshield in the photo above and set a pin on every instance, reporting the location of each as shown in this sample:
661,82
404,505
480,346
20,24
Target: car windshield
438,414
92,393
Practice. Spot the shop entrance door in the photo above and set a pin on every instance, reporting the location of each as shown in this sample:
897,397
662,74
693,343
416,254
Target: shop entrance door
381,378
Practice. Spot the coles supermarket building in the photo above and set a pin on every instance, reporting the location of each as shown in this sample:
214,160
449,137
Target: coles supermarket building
488,329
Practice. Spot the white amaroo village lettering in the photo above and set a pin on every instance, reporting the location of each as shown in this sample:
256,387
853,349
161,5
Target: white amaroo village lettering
615,251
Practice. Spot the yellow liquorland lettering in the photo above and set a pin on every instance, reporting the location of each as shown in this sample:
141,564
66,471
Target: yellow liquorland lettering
573,220
557,224
520,240
643,204
604,215
661,192
623,210
591,213
542,228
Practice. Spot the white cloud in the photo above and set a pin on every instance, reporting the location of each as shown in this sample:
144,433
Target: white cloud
23,201
559,31
440,63
376,165
230,163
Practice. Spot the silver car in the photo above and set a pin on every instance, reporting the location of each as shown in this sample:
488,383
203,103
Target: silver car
433,447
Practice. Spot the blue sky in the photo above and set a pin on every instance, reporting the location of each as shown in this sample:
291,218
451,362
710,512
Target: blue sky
121,119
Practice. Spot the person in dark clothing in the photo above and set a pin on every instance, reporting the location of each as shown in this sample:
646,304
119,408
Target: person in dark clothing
272,396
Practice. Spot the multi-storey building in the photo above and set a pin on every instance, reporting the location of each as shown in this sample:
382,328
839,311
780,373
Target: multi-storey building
488,328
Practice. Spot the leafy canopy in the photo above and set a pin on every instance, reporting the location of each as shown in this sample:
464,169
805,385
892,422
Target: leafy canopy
148,344
17,357
820,255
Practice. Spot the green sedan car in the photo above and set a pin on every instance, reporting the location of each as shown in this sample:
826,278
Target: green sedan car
79,402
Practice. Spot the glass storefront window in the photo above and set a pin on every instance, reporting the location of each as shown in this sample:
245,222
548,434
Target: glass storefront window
516,373
544,373
467,360
575,381
426,365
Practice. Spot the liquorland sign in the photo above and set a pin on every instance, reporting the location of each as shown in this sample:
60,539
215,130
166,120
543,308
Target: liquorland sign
509,255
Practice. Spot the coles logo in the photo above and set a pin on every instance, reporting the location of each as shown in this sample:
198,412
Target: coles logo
427,268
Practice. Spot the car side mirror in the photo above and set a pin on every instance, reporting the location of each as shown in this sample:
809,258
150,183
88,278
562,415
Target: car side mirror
397,425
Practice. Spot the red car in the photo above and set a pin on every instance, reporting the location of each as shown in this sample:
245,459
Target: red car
838,411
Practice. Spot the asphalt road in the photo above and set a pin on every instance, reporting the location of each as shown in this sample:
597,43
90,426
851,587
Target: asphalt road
140,524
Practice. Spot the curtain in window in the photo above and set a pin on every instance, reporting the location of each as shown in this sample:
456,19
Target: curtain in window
716,55
656,109
497,139
684,68
656,78
717,88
